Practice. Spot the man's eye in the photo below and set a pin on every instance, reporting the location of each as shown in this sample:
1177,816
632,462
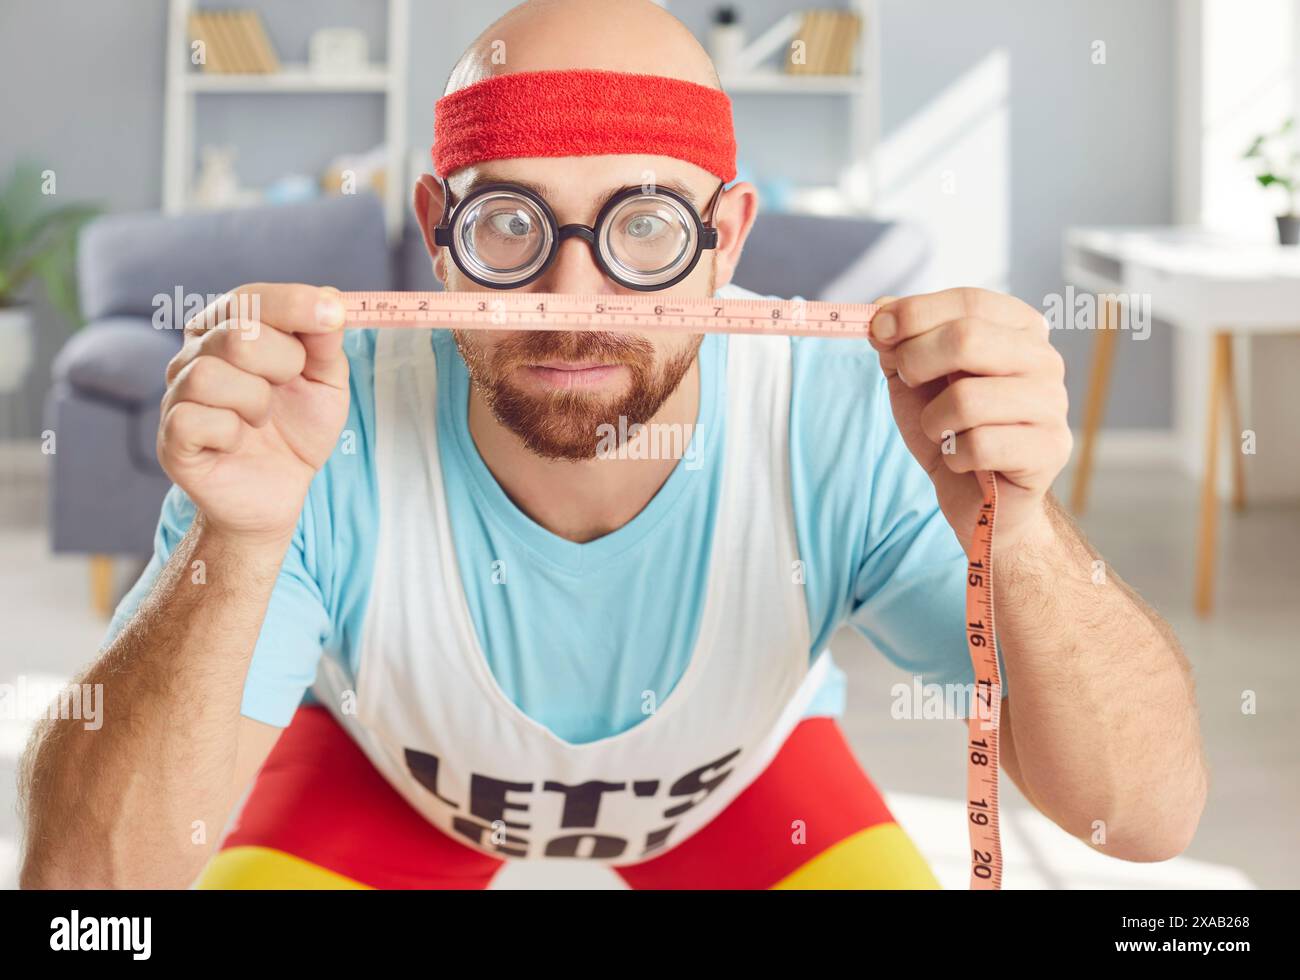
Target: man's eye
510,223
643,226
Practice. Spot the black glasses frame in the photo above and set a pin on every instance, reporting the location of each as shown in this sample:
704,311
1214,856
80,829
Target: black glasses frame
706,236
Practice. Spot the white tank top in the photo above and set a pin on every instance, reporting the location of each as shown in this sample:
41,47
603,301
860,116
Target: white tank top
431,717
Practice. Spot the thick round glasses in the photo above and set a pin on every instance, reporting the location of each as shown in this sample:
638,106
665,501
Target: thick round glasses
504,236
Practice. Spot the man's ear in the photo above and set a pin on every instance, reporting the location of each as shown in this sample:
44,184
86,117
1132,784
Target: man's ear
428,202
733,217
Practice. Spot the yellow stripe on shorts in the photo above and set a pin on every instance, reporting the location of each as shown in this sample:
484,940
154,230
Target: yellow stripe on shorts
878,857
251,868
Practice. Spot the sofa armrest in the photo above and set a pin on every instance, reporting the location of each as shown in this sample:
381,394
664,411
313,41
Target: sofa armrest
118,358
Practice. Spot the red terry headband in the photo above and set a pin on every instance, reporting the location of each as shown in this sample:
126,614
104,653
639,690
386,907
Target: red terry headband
584,112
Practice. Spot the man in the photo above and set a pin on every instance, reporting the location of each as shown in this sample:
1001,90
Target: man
525,640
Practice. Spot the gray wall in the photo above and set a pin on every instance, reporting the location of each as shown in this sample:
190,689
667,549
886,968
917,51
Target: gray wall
1089,144
84,88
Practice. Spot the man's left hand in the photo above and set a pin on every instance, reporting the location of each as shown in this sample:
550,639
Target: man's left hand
976,385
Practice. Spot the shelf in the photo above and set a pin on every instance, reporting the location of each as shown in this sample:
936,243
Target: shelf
187,91
300,78
291,78
779,83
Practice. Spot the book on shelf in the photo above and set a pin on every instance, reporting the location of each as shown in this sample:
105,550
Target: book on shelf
259,44
201,35
234,42
802,47
829,39
825,36
226,43
850,31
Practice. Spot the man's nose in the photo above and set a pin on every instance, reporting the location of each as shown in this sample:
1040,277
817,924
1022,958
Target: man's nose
574,271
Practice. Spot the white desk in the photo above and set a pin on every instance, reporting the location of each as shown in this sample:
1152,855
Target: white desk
1207,285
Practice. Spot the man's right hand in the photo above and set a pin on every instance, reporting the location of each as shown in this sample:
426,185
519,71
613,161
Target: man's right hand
255,403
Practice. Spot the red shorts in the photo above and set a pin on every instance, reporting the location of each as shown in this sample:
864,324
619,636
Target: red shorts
321,816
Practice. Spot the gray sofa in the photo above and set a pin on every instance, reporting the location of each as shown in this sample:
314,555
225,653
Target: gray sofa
108,379
106,484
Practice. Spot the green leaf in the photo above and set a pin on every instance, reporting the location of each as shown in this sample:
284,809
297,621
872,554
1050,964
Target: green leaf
56,270
20,202
39,241
69,216
21,195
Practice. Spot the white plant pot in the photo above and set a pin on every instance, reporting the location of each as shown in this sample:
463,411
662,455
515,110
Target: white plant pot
16,346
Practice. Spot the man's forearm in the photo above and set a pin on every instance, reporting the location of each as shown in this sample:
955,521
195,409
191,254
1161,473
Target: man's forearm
121,805
1102,707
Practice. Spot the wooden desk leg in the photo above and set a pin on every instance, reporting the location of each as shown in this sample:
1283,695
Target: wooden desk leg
1234,431
1220,363
1103,355
101,585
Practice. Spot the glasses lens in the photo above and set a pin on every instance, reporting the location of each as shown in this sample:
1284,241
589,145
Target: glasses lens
648,238
503,236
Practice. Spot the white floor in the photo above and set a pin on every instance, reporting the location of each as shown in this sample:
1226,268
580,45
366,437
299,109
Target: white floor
1139,520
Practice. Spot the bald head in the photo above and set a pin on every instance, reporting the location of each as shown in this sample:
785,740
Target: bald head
635,36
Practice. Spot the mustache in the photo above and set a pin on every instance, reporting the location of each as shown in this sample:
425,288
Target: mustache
574,345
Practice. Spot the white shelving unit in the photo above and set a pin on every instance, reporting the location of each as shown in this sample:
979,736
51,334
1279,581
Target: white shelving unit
861,91
185,85
291,78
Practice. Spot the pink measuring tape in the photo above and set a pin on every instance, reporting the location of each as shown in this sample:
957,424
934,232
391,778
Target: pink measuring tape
646,313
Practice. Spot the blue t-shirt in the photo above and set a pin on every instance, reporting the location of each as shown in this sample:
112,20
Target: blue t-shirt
581,630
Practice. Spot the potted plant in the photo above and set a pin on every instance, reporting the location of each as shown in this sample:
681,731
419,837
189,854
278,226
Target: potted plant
39,242
1277,161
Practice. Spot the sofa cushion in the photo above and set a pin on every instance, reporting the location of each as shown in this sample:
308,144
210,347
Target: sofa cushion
126,261
102,499
120,358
